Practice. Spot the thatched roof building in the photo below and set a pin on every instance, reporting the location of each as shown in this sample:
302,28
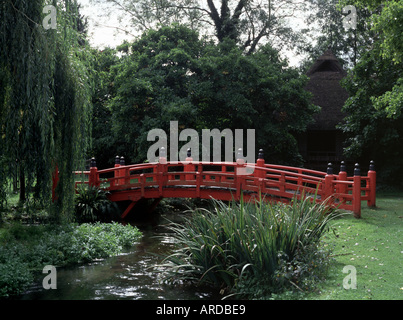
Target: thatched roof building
322,142
325,76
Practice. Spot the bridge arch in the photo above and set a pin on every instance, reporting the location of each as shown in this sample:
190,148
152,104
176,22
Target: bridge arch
228,180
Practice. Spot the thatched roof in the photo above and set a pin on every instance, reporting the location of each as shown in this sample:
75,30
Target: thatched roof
324,83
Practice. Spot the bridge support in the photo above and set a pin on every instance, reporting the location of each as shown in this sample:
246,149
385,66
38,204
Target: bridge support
154,205
128,209
132,204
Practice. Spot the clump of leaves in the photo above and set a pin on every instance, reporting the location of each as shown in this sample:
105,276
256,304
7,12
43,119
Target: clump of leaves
239,245
92,204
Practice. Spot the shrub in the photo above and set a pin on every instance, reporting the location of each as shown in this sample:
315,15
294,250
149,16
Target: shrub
25,249
241,244
15,275
92,204
101,240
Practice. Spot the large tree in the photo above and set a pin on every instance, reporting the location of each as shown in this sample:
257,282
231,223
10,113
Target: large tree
103,145
43,98
249,22
327,29
375,120
169,74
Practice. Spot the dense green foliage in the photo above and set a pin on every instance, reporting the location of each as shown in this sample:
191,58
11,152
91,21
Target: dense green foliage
252,250
374,119
55,91
170,74
104,146
326,26
25,250
44,100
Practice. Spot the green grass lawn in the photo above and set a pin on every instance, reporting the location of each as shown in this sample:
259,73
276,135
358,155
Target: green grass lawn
374,246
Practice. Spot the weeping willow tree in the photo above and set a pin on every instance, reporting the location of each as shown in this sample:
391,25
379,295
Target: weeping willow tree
44,100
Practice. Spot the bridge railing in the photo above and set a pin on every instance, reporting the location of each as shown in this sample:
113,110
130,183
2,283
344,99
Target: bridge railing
275,181
338,189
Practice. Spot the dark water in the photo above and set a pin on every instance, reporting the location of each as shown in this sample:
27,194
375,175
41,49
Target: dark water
124,277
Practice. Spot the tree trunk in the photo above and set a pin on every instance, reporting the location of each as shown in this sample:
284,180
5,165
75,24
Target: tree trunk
22,183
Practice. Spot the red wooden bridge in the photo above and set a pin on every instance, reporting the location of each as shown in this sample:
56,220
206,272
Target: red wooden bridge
227,180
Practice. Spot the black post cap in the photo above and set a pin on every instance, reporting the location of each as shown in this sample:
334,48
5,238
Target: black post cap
372,165
93,163
117,160
260,154
357,170
329,168
189,153
342,166
122,161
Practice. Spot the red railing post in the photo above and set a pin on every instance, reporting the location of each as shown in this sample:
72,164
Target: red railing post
198,183
371,184
162,169
357,191
329,185
93,178
189,166
281,184
259,172
342,188
142,184
240,172
122,172
240,168
115,182
163,156
223,170
300,182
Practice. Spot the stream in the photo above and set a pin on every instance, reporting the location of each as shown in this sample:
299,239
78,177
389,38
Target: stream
127,276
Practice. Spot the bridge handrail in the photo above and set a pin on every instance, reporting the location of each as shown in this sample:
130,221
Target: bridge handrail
299,170
276,180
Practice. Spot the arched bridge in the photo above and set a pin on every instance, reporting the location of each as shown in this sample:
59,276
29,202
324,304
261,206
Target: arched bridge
227,180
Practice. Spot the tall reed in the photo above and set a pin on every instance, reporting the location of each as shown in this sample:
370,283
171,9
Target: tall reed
242,239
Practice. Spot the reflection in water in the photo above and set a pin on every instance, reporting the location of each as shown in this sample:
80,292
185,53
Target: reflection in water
127,276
